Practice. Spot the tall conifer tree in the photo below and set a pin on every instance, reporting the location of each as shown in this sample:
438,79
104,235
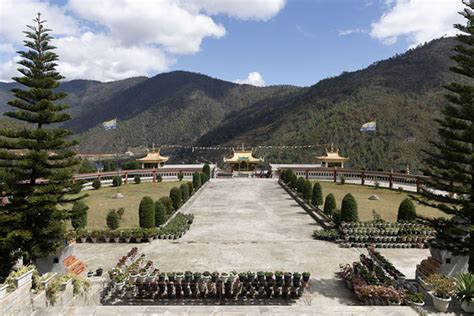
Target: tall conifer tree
450,162
36,160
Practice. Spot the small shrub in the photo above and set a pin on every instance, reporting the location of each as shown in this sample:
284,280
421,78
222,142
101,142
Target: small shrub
137,179
120,212
160,213
112,219
190,188
406,211
96,184
329,204
196,180
349,212
184,191
317,197
159,178
377,184
307,191
342,180
117,181
180,176
207,170
79,215
168,203
300,185
175,195
146,212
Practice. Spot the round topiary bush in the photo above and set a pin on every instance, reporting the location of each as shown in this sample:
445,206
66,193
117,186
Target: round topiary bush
307,191
180,176
112,220
184,192
190,188
175,195
300,185
96,184
168,203
117,181
79,215
207,170
329,204
159,178
137,179
406,211
160,213
196,180
349,212
317,197
146,212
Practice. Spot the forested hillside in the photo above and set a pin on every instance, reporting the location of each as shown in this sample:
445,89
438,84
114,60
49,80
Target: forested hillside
403,94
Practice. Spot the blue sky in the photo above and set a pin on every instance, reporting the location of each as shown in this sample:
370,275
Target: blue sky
296,42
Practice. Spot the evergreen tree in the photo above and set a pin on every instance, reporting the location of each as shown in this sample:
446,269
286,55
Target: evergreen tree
293,181
329,204
190,188
33,221
451,160
349,212
180,176
300,185
307,191
112,220
184,191
207,170
160,213
146,212
175,196
317,197
168,203
196,180
79,215
406,211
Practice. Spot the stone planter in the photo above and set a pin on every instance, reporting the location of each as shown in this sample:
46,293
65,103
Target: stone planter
116,239
107,239
94,239
63,286
466,306
24,278
83,239
441,304
149,239
3,290
46,282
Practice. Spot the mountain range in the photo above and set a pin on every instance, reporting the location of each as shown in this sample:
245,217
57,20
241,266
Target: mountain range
404,94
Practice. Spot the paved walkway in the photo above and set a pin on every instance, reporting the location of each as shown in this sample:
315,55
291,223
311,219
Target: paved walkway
252,224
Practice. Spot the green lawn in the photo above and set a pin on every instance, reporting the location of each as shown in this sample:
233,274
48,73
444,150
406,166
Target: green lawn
387,206
100,201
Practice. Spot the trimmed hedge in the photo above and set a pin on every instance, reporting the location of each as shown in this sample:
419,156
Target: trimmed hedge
117,181
349,212
300,185
190,188
293,181
406,211
207,170
307,191
112,220
168,203
197,180
96,184
317,197
329,204
146,212
160,213
175,195
137,179
184,192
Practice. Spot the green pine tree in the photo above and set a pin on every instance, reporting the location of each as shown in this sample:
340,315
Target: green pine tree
329,204
349,212
207,170
451,160
160,213
146,212
307,191
34,221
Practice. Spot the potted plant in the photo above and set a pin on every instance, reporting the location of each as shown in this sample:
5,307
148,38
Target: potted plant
443,288
46,279
148,234
129,290
115,235
126,234
94,235
82,235
306,276
21,276
64,281
415,299
465,291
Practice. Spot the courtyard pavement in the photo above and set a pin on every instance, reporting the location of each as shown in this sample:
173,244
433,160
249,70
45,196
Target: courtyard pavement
253,224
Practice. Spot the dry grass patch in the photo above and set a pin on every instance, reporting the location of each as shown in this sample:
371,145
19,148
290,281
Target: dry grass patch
386,207
100,201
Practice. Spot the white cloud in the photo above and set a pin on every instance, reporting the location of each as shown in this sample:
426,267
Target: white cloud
115,39
254,79
352,31
98,57
242,9
418,20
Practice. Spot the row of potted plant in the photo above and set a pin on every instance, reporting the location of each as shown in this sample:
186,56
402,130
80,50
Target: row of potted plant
386,265
423,231
383,224
135,277
381,245
388,239
176,228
